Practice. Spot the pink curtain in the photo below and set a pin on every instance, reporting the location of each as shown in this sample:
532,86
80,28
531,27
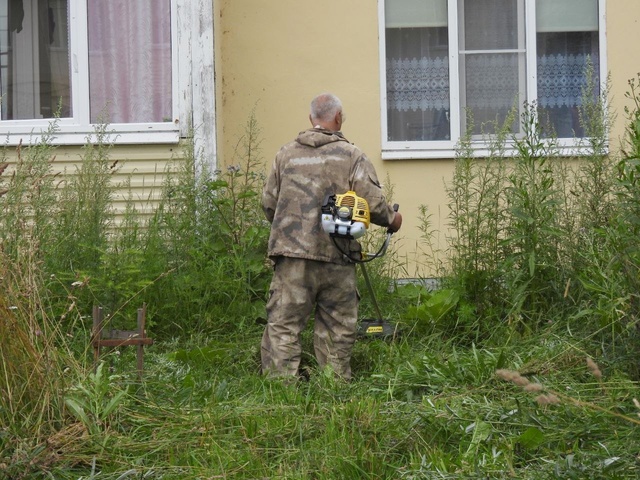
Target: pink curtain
130,60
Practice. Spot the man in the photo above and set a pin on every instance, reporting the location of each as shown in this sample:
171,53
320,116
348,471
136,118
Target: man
309,270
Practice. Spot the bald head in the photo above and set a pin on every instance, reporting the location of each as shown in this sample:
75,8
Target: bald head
326,112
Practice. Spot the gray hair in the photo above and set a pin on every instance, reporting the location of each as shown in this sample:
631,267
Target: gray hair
325,107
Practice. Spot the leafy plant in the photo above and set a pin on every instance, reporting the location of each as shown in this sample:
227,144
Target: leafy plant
532,237
522,219
95,401
213,235
28,200
478,219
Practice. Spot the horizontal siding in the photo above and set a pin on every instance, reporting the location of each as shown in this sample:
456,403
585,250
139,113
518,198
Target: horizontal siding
144,168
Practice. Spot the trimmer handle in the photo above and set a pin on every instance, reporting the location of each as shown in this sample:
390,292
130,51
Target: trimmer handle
396,207
385,244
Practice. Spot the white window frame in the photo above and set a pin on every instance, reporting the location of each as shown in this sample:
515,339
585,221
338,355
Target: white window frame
193,93
406,150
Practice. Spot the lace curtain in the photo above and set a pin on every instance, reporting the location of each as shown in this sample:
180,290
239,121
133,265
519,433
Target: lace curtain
418,83
491,82
561,79
130,60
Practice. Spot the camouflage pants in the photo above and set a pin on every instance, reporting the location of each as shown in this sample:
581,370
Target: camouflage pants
297,287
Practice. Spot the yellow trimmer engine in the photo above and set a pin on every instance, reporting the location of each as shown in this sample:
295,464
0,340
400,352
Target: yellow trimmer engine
345,216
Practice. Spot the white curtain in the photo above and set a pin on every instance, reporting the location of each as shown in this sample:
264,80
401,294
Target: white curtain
561,79
492,81
130,60
418,83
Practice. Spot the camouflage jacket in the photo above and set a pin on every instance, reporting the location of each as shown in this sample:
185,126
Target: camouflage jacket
317,164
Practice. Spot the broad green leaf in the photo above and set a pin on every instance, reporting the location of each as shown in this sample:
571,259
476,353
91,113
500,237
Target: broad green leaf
441,302
217,184
113,404
532,264
532,438
481,432
77,411
247,194
612,463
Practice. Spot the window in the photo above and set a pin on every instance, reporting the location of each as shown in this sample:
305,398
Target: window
97,61
34,59
448,61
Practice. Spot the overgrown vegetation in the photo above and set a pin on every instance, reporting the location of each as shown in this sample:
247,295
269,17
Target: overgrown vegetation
522,364
539,236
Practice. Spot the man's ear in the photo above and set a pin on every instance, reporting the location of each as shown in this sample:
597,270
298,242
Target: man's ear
311,121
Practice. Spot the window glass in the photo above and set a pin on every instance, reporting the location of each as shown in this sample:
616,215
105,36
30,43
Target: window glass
492,57
34,59
490,24
564,50
417,71
130,60
491,89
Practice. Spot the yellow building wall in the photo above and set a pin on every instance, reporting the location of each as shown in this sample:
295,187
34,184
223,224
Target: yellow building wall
623,58
274,56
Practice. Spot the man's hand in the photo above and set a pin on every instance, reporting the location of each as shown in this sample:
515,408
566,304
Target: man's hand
396,224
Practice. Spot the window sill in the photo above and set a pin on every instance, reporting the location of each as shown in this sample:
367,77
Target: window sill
70,134
417,154
565,148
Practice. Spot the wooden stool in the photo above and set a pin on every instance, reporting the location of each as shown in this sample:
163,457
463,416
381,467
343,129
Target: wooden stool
100,337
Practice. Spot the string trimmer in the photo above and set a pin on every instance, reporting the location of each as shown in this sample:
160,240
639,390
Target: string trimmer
347,216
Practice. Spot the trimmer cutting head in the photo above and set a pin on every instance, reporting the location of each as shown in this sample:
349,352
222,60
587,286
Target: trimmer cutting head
372,328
